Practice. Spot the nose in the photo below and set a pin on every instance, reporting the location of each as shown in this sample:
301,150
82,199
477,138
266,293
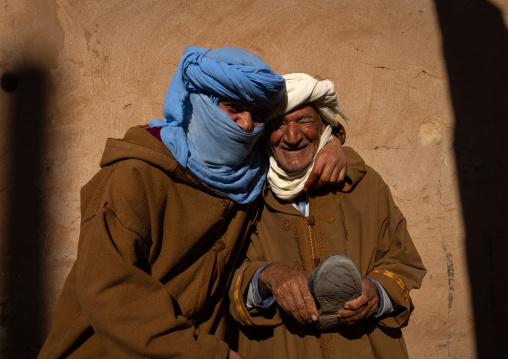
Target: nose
244,120
293,135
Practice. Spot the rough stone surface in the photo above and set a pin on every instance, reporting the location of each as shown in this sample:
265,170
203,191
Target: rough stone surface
333,283
424,83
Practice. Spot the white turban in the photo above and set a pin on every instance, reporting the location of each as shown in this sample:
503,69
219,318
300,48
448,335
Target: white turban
301,89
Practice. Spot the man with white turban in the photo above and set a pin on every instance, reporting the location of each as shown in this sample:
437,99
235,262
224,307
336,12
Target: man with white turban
164,219
352,242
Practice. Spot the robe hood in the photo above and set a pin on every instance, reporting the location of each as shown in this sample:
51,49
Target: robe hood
139,144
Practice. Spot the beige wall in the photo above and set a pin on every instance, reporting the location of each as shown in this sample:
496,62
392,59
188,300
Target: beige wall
87,70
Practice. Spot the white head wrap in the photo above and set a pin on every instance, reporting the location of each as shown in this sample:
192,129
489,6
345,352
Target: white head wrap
301,89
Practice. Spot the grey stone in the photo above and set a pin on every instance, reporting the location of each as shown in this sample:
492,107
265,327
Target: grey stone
333,283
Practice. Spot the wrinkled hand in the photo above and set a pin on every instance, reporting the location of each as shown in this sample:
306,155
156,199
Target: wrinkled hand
330,166
234,355
362,307
290,289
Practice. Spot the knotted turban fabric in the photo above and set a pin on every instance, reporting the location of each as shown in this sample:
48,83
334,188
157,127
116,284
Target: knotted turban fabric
201,136
303,88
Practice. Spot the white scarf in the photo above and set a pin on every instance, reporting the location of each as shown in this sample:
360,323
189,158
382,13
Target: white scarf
288,186
300,89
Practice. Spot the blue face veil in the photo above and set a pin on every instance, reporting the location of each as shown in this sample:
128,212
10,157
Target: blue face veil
201,136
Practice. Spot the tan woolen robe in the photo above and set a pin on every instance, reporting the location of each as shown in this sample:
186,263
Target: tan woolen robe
362,222
141,285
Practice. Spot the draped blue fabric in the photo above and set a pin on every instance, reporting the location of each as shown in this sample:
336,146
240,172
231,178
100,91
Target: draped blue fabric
204,138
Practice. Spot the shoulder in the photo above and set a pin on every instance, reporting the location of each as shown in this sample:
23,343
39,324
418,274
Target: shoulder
128,188
362,180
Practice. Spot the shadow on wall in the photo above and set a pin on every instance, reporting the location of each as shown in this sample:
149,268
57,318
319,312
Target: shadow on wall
25,90
475,44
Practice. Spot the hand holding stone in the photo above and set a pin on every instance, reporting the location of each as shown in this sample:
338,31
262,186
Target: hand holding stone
362,307
290,290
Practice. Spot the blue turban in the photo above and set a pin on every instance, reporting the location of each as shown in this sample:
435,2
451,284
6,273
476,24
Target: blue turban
201,136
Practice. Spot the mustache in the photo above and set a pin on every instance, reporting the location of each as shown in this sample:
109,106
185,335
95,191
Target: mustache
296,147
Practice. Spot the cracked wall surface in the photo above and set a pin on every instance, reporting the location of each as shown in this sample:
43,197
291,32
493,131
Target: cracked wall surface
88,70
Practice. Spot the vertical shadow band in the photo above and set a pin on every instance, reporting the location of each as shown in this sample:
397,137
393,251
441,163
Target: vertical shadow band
475,47
26,91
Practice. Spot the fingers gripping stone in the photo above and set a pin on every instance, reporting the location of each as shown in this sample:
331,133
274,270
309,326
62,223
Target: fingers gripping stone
333,283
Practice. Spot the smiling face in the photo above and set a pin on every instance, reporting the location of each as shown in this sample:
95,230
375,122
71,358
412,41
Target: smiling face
245,115
294,138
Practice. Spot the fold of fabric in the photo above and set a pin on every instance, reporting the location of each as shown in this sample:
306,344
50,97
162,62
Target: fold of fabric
201,136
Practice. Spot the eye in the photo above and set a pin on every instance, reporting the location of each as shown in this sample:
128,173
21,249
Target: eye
233,108
307,122
277,125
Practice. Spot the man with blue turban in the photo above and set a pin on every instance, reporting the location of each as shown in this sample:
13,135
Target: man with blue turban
163,221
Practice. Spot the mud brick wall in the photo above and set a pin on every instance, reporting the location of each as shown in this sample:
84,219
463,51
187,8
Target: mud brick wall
424,82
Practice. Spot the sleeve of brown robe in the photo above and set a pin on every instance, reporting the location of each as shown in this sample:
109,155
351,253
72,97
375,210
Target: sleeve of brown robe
240,285
397,266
